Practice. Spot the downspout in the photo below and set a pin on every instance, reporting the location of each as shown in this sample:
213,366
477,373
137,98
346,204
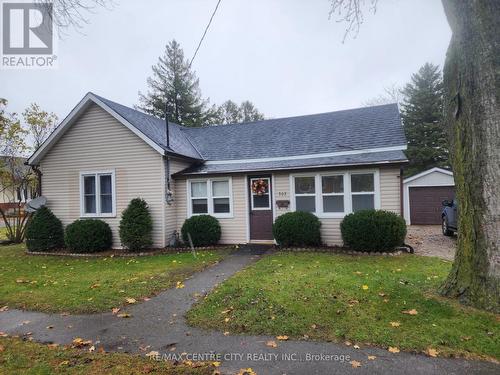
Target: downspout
168,192
401,191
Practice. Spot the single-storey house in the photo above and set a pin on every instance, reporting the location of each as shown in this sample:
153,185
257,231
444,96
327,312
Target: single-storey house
424,194
104,154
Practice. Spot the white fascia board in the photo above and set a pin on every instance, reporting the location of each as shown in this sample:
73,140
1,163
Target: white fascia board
308,156
70,119
425,173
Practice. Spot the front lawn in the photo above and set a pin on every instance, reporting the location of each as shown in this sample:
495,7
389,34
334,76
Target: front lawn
18,357
84,285
386,301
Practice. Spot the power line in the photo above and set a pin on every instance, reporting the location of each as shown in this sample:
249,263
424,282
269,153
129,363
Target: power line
205,32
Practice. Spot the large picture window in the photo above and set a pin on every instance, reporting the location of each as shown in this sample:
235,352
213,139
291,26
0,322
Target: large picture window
335,194
97,194
210,197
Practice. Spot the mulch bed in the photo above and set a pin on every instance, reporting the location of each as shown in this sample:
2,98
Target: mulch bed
126,253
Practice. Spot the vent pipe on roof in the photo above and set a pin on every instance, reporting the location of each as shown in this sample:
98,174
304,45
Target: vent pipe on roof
167,129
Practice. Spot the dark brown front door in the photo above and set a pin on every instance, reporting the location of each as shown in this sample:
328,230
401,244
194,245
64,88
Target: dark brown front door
261,207
426,203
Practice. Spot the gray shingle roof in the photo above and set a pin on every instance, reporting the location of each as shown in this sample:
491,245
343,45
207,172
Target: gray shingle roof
345,160
340,131
154,128
354,129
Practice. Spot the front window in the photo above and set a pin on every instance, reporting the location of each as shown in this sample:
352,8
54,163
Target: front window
210,197
97,194
305,194
334,195
363,191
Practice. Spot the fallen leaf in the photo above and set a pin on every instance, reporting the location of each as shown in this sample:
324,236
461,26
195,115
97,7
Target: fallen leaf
227,319
146,299
95,286
179,285
348,343
395,324
282,338
78,342
64,363
124,315
50,327
365,287
216,364
3,334
432,352
225,311
410,312
246,371
372,357
393,349
356,346
465,338
92,348
226,333
115,310
271,344
4,308
52,346
152,354
355,364
381,294
314,326
130,300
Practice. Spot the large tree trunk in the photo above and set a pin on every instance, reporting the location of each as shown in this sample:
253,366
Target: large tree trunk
472,112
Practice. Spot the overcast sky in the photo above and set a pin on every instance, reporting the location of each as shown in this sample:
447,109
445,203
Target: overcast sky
285,56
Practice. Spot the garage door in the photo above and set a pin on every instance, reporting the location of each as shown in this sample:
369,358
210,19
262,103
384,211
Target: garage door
425,203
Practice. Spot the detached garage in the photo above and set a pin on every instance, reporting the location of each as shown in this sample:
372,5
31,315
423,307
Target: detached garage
423,194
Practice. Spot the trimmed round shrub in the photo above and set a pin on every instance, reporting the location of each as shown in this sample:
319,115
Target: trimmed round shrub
297,229
88,236
373,230
136,225
204,230
44,231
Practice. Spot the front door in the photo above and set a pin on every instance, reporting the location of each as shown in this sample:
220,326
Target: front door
261,208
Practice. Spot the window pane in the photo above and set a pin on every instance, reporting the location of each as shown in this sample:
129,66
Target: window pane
105,182
106,204
198,189
304,185
89,204
261,201
333,203
89,184
220,188
200,206
306,204
362,182
333,184
221,205
363,202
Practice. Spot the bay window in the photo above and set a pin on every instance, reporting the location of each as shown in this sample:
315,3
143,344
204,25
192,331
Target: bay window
97,194
335,194
210,197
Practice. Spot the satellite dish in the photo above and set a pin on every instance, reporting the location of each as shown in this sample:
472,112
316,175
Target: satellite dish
35,204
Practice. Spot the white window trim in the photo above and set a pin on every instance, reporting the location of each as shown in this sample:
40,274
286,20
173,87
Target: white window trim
268,193
210,197
347,191
98,193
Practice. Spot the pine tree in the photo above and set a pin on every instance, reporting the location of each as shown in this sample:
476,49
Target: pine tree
174,82
422,114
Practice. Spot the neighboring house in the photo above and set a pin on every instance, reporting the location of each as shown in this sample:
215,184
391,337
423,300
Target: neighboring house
105,154
424,194
13,192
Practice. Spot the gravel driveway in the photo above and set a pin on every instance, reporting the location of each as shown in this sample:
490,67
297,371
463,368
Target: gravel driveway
428,240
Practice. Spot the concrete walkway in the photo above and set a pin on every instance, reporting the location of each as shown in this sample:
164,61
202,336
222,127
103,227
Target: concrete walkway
159,325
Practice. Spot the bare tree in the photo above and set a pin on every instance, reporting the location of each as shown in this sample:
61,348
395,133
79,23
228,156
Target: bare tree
392,94
350,12
472,114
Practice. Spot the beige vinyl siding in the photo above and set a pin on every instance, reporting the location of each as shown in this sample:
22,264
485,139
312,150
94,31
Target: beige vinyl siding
390,190
330,227
234,230
176,165
97,141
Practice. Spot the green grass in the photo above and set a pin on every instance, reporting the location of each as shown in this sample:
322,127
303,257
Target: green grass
18,357
85,285
322,296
